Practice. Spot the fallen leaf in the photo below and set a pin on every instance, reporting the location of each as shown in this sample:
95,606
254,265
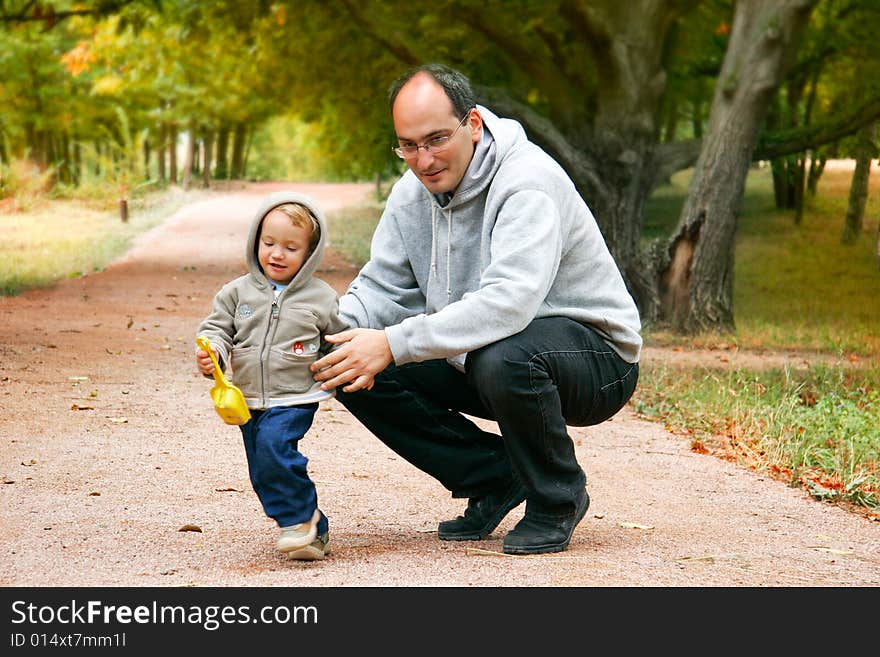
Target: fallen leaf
227,490
130,322
705,557
94,493
29,463
77,378
190,528
165,346
599,516
7,480
118,420
635,525
77,407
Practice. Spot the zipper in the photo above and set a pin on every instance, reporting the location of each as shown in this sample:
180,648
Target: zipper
273,316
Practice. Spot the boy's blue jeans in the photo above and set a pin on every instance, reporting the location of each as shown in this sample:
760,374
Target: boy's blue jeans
278,471
554,373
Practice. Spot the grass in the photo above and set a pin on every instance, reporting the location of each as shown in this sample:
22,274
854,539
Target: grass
795,287
815,428
59,239
351,230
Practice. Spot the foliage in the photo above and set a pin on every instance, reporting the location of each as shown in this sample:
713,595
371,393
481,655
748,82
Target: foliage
23,184
818,428
63,239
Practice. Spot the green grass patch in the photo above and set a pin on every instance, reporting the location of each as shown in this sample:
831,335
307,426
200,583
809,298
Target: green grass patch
817,428
59,239
351,230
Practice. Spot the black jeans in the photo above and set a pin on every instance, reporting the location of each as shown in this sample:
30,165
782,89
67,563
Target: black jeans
554,373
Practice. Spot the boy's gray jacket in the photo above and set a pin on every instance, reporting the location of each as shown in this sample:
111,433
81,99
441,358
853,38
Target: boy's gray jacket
513,244
271,342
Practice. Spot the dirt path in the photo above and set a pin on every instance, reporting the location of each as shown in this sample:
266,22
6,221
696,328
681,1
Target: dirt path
109,446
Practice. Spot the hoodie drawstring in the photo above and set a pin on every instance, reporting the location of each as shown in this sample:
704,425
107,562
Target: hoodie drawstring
433,240
448,249
449,257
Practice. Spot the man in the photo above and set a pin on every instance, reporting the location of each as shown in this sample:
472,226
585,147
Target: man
489,292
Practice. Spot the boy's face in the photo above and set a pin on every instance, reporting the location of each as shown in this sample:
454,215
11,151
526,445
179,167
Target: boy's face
283,247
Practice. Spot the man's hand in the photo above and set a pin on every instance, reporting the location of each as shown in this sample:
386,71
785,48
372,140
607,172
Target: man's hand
363,354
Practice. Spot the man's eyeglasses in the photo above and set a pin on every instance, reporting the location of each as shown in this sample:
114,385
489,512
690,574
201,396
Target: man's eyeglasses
432,146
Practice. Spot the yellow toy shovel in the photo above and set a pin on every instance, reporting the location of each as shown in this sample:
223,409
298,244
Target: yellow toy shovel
228,400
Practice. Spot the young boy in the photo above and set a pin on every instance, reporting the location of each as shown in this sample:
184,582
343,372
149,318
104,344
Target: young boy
268,325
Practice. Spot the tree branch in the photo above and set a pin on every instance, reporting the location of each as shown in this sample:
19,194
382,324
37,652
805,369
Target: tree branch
33,12
543,131
396,47
543,71
797,140
675,156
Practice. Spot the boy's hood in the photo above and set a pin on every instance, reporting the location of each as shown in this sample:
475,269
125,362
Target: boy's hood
314,260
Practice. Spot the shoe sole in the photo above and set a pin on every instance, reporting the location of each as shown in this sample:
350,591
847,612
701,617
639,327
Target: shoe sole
549,548
486,529
309,553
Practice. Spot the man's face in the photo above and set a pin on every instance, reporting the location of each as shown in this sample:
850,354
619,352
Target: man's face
422,111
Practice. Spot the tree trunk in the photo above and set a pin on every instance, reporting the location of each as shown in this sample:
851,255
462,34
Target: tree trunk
64,170
858,189
206,162
189,155
221,168
77,163
172,153
147,158
799,180
160,151
696,283
238,137
4,154
817,167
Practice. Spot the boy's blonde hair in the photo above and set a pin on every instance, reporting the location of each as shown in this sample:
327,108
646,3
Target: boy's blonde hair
301,216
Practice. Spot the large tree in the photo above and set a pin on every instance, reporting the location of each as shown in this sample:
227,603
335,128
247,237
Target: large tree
696,290
591,83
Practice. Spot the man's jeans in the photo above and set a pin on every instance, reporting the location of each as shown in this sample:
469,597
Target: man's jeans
556,372
278,471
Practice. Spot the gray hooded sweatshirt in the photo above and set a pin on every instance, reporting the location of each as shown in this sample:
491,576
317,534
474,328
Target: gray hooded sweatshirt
514,243
271,342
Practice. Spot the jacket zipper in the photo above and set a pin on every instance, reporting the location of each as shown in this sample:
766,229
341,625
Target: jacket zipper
263,351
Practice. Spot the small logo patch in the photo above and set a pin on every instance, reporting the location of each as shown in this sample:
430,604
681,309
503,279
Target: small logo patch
245,311
298,348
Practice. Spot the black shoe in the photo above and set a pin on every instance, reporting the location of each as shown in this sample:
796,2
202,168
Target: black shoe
482,516
538,533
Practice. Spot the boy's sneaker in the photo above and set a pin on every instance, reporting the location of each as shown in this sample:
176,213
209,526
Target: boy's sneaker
314,551
295,537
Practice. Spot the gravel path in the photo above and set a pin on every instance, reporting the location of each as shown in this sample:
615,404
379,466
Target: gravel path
110,446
